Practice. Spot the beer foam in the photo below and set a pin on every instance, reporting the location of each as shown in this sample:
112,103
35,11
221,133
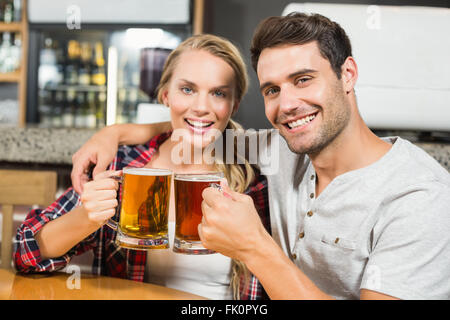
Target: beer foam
212,177
147,171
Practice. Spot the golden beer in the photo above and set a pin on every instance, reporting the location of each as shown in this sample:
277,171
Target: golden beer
144,208
188,199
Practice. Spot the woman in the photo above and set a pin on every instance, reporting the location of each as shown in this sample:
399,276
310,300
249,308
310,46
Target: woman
203,81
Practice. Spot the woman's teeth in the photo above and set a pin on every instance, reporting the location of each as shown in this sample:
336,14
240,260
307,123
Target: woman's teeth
301,121
199,124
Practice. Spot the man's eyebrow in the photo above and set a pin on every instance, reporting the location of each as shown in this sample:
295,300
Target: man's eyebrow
292,75
301,72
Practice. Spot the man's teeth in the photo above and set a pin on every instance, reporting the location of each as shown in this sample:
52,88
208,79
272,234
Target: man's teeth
198,123
301,121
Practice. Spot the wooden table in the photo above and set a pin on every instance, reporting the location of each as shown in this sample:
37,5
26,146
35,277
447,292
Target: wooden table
63,286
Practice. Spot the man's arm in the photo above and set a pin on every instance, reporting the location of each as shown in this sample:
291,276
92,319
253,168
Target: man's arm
232,227
101,148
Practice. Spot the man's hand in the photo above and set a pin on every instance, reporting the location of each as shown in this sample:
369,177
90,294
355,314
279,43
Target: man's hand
98,151
230,224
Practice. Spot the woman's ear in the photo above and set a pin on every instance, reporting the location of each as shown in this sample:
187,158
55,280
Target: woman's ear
165,98
235,107
349,74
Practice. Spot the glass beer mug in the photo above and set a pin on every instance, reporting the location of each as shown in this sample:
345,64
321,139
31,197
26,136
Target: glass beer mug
188,199
143,209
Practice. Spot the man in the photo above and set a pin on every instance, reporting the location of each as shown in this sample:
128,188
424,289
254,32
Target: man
352,216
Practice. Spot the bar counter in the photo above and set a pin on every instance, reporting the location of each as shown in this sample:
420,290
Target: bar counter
41,145
57,145
66,286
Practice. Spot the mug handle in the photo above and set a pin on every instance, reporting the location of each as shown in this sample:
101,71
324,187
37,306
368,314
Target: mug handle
111,223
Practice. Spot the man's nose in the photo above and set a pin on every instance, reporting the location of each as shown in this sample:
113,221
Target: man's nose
288,99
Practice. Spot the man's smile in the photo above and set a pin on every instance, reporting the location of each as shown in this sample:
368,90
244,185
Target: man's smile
299,122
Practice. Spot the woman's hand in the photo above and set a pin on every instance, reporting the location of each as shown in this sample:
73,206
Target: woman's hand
99,197
98,151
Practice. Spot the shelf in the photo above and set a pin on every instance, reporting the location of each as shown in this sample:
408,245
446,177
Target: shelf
10,27
66,87
10,76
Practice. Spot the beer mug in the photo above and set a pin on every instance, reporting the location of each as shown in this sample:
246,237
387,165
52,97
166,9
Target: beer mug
144,209
188,199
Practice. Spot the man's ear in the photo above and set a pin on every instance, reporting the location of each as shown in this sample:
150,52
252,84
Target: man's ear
349,74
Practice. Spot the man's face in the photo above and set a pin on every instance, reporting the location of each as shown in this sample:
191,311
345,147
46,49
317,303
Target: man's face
303,97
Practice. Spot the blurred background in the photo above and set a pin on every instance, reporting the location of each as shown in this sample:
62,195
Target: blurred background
71,67
68,53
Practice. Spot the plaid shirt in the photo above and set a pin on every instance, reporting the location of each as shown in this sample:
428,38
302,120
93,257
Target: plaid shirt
110,259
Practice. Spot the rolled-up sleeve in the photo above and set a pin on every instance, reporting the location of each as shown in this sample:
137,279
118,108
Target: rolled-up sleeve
26,254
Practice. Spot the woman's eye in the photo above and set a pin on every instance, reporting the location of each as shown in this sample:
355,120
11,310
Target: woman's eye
186,90
219,93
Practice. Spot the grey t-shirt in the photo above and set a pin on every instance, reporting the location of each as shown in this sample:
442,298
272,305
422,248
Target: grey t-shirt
385,227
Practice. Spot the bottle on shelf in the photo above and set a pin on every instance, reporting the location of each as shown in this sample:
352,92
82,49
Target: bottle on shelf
17,5
91,118
71,68
17,50
68,119
47,71
80,121
60,62
84,75
58,109
7,63
45,108
101,109
8,12
98,72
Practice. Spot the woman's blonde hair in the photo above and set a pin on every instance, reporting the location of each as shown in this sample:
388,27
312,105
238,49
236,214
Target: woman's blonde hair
239,176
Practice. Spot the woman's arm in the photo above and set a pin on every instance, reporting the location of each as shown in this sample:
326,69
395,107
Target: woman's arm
98,200
101,148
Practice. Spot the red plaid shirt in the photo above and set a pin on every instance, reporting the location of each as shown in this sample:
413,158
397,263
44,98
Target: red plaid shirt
109,259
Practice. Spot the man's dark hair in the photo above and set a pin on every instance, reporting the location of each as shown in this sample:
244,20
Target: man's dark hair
300,28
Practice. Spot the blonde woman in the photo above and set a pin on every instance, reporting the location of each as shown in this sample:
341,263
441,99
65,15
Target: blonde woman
203,81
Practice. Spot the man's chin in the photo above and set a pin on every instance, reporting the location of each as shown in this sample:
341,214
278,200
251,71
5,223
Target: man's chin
299,146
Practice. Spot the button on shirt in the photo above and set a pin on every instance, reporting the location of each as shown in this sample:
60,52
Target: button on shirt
384,227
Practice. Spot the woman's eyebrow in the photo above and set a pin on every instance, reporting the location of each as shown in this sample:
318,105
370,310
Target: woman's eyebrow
224,86
187,82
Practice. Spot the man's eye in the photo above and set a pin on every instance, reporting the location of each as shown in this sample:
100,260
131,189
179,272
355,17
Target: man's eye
271,91
302,80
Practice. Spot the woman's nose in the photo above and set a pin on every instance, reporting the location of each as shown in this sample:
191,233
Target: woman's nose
201,104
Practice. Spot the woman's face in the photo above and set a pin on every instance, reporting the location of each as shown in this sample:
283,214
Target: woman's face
201,95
